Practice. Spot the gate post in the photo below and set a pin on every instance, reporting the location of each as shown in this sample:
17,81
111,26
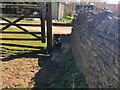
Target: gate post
49,25
43,22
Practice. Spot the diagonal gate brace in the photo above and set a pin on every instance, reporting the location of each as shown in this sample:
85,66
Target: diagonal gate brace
12,23
19,19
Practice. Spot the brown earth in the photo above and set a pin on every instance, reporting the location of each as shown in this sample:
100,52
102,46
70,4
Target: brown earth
28,70
18,70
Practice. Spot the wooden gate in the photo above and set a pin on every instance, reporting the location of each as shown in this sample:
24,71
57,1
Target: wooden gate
45,12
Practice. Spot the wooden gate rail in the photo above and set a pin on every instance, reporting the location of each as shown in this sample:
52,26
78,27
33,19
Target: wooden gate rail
17,15
35,25
23,39
15,5
21,32
25,46
3,4
43,8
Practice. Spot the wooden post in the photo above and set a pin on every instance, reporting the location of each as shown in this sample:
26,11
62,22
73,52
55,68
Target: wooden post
49,25
43,22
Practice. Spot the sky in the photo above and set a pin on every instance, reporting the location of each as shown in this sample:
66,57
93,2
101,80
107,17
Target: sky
108,1
113,1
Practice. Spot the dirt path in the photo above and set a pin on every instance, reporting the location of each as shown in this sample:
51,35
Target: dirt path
32,69
56,29
19,70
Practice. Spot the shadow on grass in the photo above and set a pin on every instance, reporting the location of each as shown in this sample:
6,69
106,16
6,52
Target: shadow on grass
45,77
59,75
49,74
22,53
50,71
52,74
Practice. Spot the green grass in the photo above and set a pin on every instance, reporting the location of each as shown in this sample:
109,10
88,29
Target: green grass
6,68
18,67
38,67
16,72
67,18
33,82
20,50
29,43
23,85
72,78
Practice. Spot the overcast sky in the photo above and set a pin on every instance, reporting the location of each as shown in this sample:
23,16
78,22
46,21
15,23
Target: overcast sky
108,1
113,1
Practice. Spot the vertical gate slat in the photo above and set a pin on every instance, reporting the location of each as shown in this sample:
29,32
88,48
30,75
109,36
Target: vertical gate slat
49,25
43,22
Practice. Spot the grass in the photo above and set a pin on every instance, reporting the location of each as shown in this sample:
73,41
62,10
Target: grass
30,43
33,82
72,78
23,85
21,61
18,67
6,68
38,67
18,51
67,18
28,64
16,72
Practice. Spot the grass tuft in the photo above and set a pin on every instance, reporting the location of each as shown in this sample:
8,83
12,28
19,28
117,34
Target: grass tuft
72,78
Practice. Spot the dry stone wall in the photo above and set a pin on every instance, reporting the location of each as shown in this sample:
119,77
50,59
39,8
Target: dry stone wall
94,42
